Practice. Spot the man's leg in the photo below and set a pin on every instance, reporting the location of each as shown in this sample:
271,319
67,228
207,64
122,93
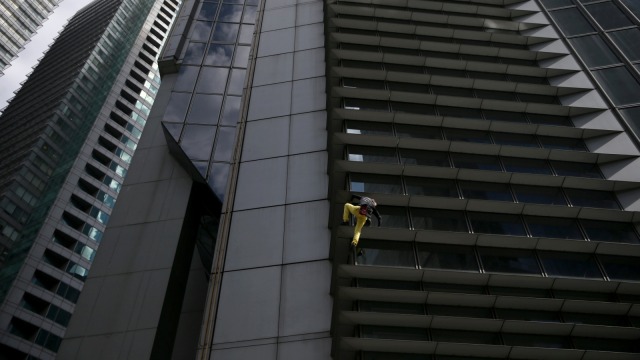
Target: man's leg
361,219
349,209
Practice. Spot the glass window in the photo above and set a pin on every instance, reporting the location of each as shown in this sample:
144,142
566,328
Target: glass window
487,76
212,80
225,33
571,21
595,319
454,288
503,224
523,292
496,95
452,91
460,311
387,253
530,166
201,30
362,64
372,154
219,55
435,256
550,4
246,34
567,168
608,15
393,216
369,128
194,54
446,72
241,58
236,82
504,116
404,68
619,84
373,183
224,143
539,195
634,6
393,332
197,141
485,191
412,108
552,142
231,113
621,267
526,140
177,107
527,315
249,16
473,161
362,104
391,356
594,51
459,112
428,158
611,231
592,198
431,187
362,83
632,116
408,87
606,344
467,337
436,219
569,264
186,78
230,13
542,341
509,261
417,131
205,109
553,227
391,307
207,11
543,119
627,41
388,284
475,136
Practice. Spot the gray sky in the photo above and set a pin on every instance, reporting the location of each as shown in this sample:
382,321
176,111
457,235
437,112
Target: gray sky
27,58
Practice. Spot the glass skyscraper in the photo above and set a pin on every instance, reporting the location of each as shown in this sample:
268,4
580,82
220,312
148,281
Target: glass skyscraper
66,140
497,136
19,20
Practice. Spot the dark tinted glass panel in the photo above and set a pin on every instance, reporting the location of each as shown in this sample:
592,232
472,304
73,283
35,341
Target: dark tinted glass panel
550,4
535,98
509,261
467,337
362,104
553,227
504,224
408,87
627,41
207,11
373,183
231,113
621,267
569,264
372,154
430,158
194,53
362,83
236,82
225,33
539,195
446,72
230,13
528,79
527,315
413,108
369,128
606,344
525,140
452,91
387,253
634,6
496,95
205,109
249,16
608,15
197,141
632,116
595,319
543,341
504,116
186,78
388,284
431,187
416,131
459,112
487,76
524,292
404,68
549,120
432,219
394,216
552,142
219,55
594,51
592,198
391,307
472,161
530,166
485,191
362,64
401,51
177,107
212,80
391,332
619,84
459,311
571,21
583,295
566,168
433,256
610,231
475,136
454,288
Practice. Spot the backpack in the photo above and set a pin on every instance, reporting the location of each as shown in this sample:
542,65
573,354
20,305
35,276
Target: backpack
366,206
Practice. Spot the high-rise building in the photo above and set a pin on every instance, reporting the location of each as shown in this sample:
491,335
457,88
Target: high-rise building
19,20
497,136
66,140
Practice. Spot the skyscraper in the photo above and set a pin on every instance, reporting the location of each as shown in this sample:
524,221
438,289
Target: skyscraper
502,155
19,20
66,141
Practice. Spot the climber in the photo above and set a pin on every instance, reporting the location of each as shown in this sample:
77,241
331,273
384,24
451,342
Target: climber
362,213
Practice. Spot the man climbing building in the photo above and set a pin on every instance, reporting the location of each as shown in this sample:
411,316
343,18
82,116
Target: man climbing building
362,213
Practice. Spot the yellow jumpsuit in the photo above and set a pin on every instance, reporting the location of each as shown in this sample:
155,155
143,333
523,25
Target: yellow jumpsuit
360,220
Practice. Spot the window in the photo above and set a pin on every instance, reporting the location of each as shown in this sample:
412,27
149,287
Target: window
435,256
595,319
598,230
571,21
387,253
527,315
394,216
592,198
388,284
460,311
504,116
525,140
372,154
373,183
553,227
362,104
362,83
391,307
416,131
475,136
408,87
393,332
431,187
627,41
531,340
542,119
459,112
467,337
413,108
569,264
428,158
619,84
473,161
485,191
594,51
530,166
550,4
436,219
621,267
550,142
502,224
509,261
539,195
567,168
608,15
368,128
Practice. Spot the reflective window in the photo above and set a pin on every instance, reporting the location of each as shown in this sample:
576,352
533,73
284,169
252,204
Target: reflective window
467,337
571,21
504,116
196,141
543,119
372,154
527,315
551,4
475,136
186,78
230,13
526,140
362,64
606,344
241,58
201,30
224,143
473,161
627,41
553,227
207,11
539,195
452,91
388,284
592,198
610,231
428,158
569,264
435,256
509,260
212,80
387,253
413,108
236,83
436,219
485,191
249,16
205,109
530,166
219,55
632,116
608,15
416,131
431,187
391,307
460,311
246,34
531,340
595,319
409,87
194,53
362,104
231,112
177,107
502,224
633,5
621,267
567,168
368,128
362,83
526,292
552,142
225,33
217,180
459,112
393,332
394,216
373,183
619,84
496,95
594,51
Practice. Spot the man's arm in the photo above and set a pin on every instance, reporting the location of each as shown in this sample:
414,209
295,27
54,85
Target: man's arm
377,214
354,196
